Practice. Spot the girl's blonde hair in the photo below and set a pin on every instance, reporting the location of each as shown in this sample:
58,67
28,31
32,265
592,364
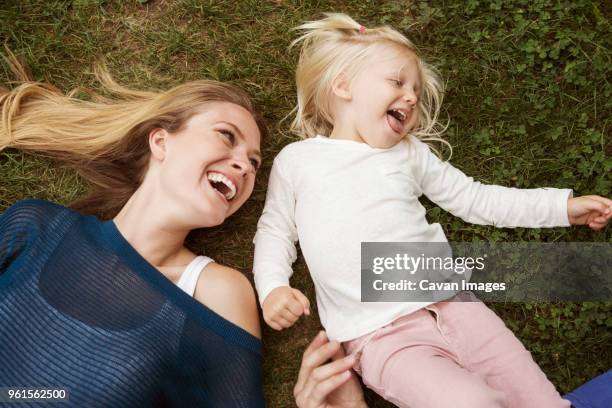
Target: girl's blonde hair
338,44
106,138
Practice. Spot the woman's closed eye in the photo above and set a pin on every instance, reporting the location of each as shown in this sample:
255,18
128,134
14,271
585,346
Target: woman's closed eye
255,163
229,135
231,138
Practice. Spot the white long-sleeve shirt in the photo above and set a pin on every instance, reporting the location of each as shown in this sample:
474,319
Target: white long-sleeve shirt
332,194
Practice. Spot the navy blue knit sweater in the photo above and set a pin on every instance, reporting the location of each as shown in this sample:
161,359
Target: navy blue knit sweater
81,310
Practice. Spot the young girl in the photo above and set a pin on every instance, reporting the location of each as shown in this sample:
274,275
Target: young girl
366,101
116,312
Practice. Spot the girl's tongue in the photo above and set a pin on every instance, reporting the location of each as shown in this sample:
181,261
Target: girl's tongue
395,125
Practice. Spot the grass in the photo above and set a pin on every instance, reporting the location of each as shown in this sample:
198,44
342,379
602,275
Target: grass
528,99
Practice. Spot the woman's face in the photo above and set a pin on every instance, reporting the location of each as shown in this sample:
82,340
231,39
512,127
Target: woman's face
208,167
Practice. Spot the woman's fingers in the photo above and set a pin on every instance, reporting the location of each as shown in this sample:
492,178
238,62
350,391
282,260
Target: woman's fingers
339,354
318,377
318,341
326,378
314,356
328,370
322,389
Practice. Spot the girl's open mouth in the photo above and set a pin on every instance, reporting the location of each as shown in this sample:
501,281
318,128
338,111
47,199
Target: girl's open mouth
396,119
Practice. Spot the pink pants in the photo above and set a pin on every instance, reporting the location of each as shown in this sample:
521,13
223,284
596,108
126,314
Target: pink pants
451,355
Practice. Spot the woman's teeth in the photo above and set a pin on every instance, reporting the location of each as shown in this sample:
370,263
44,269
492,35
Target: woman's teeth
222,184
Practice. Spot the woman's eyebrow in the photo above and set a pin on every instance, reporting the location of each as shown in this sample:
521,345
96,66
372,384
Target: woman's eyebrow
239,133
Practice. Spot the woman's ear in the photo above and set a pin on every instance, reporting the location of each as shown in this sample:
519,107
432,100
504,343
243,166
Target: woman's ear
157,143
341,87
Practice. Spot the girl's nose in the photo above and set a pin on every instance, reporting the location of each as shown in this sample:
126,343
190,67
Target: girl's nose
410,97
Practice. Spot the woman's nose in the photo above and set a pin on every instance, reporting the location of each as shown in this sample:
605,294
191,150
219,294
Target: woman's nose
241,166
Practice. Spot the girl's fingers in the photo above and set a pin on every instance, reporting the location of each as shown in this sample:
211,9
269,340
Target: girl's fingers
275,325
295,307
287,314
303,301
603,200
284,323
597,203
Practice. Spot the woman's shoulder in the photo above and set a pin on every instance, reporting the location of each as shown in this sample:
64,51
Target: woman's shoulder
230,294
31,211
34,203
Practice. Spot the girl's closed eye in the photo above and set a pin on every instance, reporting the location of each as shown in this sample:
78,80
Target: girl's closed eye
398,83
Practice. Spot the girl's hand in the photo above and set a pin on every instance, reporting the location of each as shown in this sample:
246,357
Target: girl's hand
283,306
591,210
330,385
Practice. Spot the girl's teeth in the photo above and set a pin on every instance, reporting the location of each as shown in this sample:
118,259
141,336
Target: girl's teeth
402,115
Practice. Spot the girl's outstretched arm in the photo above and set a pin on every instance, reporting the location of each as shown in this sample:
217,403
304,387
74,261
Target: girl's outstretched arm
591,210
487,204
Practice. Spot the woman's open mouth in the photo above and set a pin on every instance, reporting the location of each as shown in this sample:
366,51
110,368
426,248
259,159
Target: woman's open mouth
222,185
396,119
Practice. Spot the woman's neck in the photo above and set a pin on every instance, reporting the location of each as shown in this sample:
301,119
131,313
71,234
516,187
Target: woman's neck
150,230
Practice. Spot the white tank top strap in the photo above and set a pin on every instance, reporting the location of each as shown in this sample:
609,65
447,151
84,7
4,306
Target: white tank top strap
189,278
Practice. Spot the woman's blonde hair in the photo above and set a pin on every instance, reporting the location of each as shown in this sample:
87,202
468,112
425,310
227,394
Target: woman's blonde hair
338,44
105,138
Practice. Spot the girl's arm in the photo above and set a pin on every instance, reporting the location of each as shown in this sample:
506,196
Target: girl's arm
591,210
276,235
275,252
480,203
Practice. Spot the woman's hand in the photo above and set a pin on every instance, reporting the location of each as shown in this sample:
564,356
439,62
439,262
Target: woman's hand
591,210
327,385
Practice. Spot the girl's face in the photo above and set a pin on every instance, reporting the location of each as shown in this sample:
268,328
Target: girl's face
383,98
208,167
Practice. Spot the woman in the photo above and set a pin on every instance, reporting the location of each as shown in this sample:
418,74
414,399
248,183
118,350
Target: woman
115,310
